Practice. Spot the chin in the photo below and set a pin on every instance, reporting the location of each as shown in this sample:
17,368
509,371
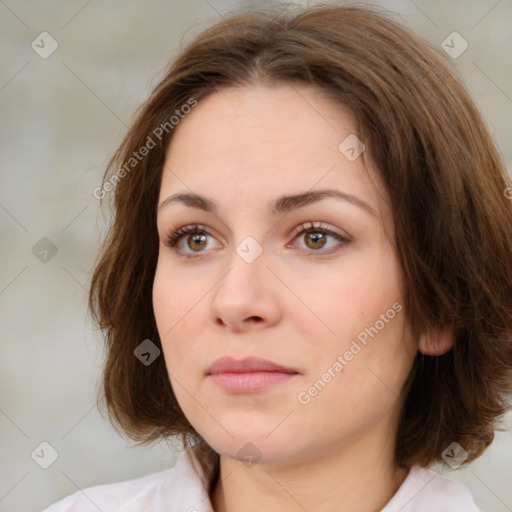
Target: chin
255,447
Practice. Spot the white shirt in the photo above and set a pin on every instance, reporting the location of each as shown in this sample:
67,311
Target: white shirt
184,488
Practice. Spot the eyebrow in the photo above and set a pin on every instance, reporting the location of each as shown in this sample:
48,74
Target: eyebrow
282,204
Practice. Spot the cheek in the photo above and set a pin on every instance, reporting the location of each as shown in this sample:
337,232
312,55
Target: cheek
365,316
172,299
163,303
168,307
353,298
176,308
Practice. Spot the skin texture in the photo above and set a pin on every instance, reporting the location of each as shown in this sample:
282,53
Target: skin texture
297,305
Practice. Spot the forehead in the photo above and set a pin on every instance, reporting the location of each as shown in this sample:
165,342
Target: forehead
286,119
255,143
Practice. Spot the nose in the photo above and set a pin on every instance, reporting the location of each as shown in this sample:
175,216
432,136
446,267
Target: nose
247,296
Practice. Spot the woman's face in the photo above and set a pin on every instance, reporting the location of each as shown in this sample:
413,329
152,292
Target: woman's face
310,283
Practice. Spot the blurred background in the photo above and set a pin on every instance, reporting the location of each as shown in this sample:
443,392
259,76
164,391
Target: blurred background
72,74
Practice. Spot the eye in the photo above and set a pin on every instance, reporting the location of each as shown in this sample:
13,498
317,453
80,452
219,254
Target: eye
316,237
196,237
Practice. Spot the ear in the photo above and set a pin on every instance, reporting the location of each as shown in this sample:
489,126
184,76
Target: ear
438,340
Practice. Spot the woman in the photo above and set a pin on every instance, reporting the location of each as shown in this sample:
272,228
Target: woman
307,276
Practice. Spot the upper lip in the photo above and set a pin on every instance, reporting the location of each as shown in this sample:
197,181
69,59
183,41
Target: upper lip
248,364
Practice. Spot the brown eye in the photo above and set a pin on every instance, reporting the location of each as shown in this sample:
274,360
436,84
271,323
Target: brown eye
196,239
196,242
317,239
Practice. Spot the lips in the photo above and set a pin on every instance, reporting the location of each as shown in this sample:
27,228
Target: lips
246,365
249,375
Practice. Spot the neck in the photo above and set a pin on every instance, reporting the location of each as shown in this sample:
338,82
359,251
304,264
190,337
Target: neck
360,477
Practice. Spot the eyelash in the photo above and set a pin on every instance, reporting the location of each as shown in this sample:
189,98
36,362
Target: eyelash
172,239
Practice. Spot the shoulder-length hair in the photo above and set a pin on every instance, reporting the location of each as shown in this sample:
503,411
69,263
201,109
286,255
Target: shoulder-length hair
447,188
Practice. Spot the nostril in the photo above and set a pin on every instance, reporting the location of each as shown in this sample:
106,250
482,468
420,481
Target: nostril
250,319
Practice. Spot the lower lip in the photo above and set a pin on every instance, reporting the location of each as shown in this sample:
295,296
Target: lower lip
250,381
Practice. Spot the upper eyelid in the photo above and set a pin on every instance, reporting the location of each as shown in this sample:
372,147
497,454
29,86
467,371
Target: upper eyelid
306,225
320,225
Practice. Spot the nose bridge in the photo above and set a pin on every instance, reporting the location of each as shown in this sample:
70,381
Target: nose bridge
245,289
247,265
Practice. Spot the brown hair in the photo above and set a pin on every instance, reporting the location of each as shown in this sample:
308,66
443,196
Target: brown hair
446,186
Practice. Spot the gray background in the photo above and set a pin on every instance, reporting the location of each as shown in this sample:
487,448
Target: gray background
62,117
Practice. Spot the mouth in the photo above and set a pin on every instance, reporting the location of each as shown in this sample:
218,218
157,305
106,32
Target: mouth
248,375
